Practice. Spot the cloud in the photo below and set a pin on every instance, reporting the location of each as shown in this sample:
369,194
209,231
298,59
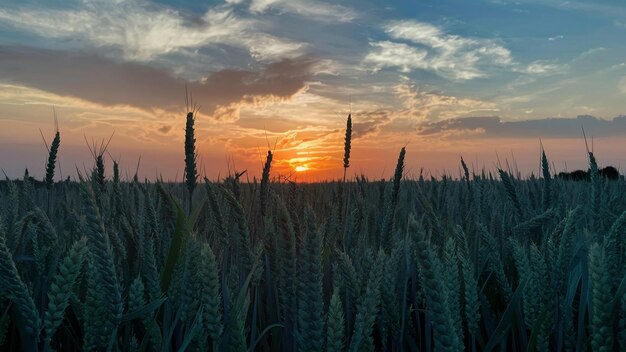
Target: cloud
495,127
96,79
144,31
165,129
430,48
428,105
587,54
370,122
267,47
423,46
540,67
390,54
309,139
556,37
141,30
318,10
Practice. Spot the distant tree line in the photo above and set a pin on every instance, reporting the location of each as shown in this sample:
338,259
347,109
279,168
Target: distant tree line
608,172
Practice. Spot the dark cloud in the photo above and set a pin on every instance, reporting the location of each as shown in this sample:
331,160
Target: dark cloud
165,129
93,78
494,127
369,122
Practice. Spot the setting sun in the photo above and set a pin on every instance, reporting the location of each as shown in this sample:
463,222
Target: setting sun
301,168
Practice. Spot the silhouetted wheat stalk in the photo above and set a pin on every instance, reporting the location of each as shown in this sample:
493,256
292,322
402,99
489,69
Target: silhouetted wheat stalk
52,153
52,157
191,172
265,183
387,228
347,146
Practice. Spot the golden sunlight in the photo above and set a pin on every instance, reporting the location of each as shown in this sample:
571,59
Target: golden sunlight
301,168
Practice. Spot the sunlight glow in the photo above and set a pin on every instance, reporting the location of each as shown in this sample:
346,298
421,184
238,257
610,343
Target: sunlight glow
301,168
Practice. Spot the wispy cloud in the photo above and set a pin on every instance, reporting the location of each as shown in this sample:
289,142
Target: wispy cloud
403,56
541,67
423,46
267,47
588,53
318,10
370,122
429,105
144,31
139,29
430,48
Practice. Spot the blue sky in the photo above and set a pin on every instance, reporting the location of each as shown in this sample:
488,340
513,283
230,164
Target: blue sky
289,71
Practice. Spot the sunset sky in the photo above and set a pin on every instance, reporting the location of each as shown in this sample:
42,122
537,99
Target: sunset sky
482,79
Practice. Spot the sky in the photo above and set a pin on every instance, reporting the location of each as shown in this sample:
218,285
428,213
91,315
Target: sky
482,80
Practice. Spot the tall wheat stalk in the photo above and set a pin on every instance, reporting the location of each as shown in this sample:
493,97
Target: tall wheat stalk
265,183
191,171
52,154
347,147
52,157
390,211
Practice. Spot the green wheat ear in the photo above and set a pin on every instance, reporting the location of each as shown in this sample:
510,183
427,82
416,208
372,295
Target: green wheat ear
335,325
150,273
102,258
62,287
211,297
136,295
622,320
367,310
13,288
451,272
310,334
287,264
601,323
436,292
507,181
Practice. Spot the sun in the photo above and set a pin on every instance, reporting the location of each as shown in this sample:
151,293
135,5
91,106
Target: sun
301,168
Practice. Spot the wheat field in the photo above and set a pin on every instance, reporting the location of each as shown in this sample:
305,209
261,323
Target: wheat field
483,261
